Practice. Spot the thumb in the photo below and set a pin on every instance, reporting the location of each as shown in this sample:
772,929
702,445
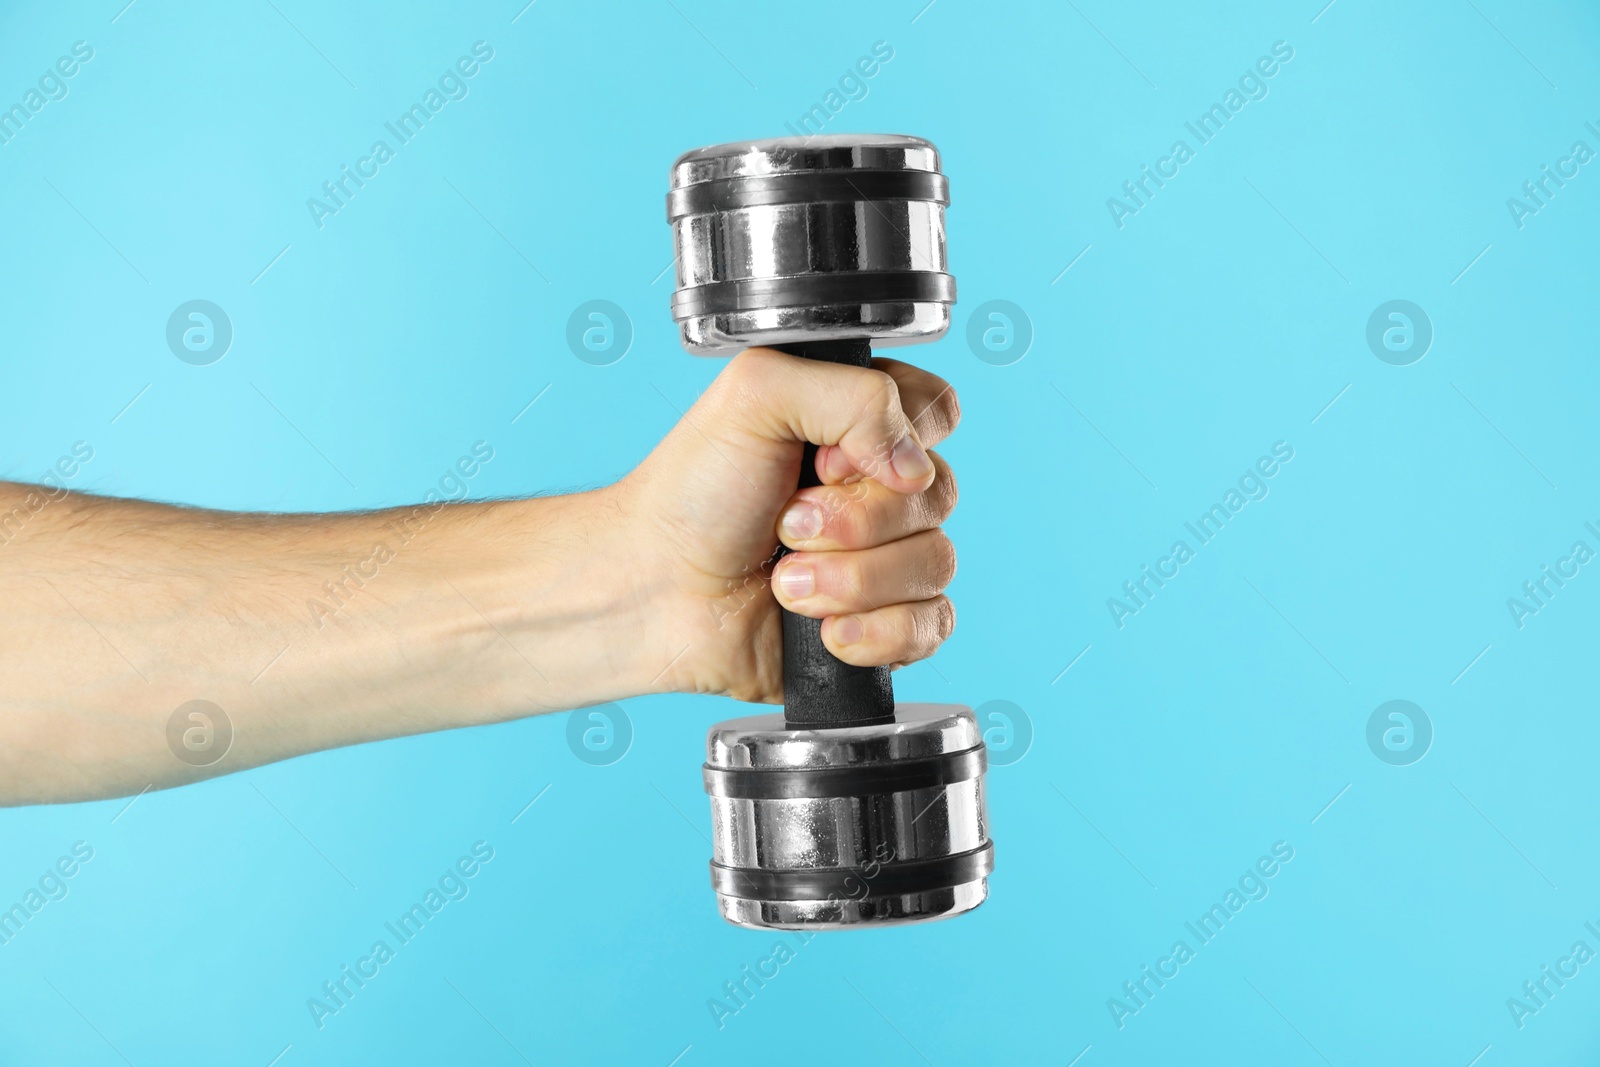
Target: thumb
787,399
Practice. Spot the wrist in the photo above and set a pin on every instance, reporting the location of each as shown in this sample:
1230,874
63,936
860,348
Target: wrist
564,598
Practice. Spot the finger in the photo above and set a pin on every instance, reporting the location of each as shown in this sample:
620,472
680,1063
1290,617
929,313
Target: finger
784,399
834,467
929,401
901,633
863,514
820,584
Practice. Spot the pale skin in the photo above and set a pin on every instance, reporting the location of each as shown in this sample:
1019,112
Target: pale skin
119,611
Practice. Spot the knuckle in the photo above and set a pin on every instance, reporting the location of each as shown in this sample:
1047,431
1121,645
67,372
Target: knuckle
850,578
944,557
742,382
943,493
950,406
747,365
926,630
879,399
939,417
947,618
856,573
882,392
846,519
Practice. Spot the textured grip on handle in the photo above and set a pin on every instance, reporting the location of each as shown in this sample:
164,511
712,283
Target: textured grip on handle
819,689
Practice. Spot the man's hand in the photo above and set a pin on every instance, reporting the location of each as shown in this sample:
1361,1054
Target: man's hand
718,495
314,631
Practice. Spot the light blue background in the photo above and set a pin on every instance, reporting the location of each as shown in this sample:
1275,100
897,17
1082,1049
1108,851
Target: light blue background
1224,317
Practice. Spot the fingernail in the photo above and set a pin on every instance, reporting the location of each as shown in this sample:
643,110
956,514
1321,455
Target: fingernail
797,581
910,461
847,631
801,522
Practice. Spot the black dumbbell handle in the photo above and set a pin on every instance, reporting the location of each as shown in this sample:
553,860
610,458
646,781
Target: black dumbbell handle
820,690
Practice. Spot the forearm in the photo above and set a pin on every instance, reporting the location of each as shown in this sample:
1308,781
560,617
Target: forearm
305,632
308,632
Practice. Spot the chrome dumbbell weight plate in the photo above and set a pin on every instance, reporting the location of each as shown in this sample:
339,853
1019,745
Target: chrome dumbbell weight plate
810,239
849,825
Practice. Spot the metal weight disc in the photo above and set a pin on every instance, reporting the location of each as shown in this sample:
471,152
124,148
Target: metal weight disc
810,239
846,826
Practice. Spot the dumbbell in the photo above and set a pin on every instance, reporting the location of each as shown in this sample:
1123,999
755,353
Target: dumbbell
847,809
